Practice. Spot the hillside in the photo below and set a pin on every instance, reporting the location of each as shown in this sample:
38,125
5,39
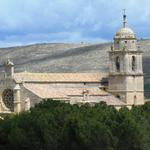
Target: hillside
66,57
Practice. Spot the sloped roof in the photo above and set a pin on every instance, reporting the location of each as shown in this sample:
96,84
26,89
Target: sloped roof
59,77
45,91
109,99
95,94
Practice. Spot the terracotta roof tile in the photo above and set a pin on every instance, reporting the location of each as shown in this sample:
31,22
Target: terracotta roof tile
109,99
59,77
45,91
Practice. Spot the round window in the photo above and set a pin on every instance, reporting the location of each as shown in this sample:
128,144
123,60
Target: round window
8,98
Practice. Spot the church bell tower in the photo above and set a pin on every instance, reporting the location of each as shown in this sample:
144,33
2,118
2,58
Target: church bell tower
125,69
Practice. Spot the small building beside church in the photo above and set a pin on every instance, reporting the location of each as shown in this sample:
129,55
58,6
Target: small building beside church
121,86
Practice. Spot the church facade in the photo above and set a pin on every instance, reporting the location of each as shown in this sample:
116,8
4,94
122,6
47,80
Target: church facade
121,86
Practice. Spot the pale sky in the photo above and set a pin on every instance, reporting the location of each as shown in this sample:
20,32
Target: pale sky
25,22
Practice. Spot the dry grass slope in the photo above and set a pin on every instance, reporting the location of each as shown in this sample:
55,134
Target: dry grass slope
66,57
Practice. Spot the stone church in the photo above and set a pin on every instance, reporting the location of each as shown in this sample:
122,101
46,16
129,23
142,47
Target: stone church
121,86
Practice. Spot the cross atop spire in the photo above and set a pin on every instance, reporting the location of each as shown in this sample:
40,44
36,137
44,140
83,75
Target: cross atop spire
124,18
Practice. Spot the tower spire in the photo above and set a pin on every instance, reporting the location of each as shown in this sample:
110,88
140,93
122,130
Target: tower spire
124,18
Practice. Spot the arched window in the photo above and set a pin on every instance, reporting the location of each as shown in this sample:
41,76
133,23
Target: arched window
133,63
118,63
8,99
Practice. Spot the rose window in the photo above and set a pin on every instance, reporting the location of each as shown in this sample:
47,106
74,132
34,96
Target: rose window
8,98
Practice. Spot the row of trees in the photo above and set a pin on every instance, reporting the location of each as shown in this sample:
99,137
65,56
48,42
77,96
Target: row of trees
53,125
